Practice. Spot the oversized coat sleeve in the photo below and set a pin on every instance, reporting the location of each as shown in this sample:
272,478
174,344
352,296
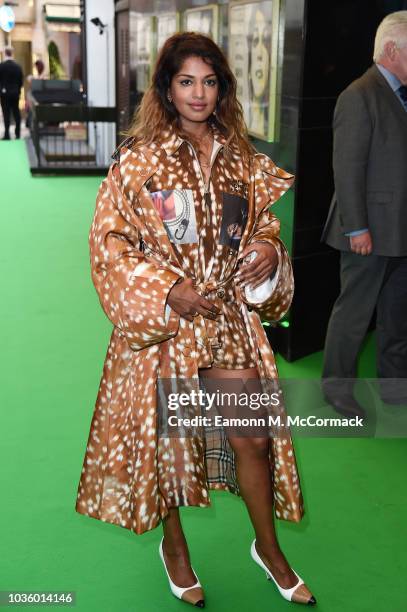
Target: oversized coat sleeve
132,288
270,184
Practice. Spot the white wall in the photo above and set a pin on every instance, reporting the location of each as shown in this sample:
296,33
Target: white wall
101,78
100,51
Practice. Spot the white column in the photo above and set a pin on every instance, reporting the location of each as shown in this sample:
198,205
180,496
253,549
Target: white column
100,60
100,50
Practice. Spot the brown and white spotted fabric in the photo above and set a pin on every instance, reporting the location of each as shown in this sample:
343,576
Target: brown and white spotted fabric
207,249
154,224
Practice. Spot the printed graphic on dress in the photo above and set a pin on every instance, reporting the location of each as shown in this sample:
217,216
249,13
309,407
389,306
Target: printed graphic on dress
239,188
234,218
177,210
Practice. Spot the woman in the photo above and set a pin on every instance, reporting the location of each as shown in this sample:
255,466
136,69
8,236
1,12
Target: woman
259,71
171,282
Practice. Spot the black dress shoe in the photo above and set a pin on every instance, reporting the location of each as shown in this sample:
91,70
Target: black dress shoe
6,138
346,405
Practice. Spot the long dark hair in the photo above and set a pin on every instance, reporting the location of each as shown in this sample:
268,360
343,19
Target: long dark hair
156,113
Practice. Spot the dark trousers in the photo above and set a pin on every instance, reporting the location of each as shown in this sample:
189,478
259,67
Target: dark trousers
9,105
368,282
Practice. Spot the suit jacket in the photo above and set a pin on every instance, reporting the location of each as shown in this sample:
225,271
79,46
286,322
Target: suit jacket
369,160
11,78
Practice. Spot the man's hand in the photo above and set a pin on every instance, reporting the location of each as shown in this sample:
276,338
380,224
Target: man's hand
183,298
362,243
261,268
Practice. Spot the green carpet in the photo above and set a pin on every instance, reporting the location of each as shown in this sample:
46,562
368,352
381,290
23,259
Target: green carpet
350,547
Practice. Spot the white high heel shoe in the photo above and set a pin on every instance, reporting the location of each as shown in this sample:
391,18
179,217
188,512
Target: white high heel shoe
193,594
298,593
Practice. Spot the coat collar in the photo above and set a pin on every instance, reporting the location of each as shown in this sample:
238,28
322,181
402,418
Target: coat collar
142,160
171,140
387,90
380,79
391,78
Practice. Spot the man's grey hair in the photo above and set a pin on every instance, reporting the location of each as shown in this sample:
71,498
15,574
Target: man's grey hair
393,28
8,51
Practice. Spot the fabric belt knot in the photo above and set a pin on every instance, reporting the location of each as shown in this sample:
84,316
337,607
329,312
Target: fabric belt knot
209,332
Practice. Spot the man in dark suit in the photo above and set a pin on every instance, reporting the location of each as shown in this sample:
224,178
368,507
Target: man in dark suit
367,221
11,81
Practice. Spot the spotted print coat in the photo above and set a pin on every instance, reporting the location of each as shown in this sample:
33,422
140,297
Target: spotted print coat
131,476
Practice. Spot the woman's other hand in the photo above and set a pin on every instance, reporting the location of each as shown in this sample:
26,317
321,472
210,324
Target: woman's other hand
187,302
259,269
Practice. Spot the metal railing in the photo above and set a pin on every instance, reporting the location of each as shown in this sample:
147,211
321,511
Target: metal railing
72,138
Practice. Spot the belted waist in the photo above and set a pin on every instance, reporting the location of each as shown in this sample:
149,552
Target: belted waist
224,291
209,332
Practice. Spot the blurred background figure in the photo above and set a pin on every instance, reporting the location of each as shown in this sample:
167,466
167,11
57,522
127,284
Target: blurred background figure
11,81
40,68
40,74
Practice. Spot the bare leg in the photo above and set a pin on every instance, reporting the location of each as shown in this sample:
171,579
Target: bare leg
253,475
176,552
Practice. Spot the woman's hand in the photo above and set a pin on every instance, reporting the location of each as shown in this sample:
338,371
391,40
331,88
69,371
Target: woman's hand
188,303
261,268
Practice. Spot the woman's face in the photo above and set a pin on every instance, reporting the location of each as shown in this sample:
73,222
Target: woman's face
194,91
259,69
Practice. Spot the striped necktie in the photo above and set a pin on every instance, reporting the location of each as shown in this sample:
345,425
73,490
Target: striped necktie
403,95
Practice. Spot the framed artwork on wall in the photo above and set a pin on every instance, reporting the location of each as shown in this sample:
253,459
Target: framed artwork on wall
254,56
202,19
167,25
